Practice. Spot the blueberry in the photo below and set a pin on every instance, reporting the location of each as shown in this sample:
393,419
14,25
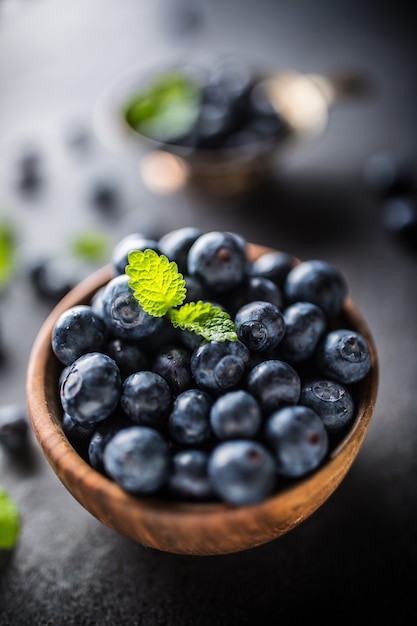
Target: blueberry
274,265
129,356
218,259
264,116
163,335
195,289
134,241
105,195
254,288
344,356
235,414
305,324
190,340
399,216
101,435
97,301
298,439
274,383
318,282
29,169
173,364
176,243
13,428
387,175
53,277
138,459
260,325
332,402
146,398
78,434
91,389
242,472
122,313
219,366
189,421
189,475
213,122
78,330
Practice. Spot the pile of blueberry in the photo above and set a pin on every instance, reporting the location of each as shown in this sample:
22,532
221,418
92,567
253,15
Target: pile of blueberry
232,109
162,411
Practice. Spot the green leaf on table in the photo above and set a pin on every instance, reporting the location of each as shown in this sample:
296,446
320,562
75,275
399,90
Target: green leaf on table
7,252
166,108
9,522
156,282
92,246
206,320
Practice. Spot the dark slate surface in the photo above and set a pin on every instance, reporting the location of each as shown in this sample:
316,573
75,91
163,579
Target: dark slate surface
356,558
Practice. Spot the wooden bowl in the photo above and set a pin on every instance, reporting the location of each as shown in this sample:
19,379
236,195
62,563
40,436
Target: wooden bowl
184,528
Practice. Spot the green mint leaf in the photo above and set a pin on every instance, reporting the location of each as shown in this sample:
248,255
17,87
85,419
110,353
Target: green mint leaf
205,319
156,281
7,252
9,522
165,108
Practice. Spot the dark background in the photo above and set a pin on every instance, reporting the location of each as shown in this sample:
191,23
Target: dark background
355,559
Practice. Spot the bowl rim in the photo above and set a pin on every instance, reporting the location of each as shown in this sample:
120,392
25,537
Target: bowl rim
182,527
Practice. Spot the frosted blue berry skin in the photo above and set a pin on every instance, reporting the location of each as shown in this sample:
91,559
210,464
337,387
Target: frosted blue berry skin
298,440
146,398
133,241
242,472
253,288
122,313
235,414
138,459
260,325
128,355
189,420
263,288
163,335
305,324
91,388
274,383
101,435
218,259
173,364
176,243
318,282
78,330
78,434
343,355
195,289
218,366
332,402
188,479
274,265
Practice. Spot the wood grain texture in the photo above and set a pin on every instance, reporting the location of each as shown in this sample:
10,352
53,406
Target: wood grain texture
184,528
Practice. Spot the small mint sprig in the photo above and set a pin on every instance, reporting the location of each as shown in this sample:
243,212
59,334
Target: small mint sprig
160,289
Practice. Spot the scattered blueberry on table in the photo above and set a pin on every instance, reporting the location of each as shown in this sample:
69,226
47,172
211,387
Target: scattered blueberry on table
14,428
392,182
